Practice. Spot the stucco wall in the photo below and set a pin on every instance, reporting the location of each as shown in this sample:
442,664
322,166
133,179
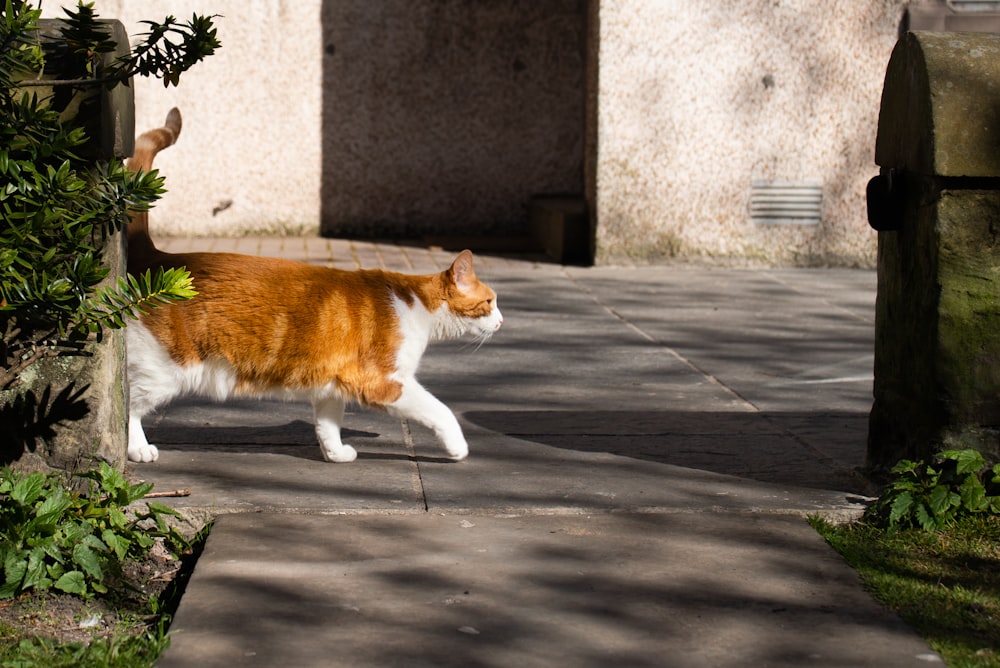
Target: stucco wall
445,115
248,159
698,99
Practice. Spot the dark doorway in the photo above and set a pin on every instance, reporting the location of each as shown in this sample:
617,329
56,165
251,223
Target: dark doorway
444,117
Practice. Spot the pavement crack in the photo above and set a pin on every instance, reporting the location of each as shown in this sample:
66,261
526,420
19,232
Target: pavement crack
418,479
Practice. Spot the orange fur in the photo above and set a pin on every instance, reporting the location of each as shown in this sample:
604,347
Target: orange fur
289,326
323,324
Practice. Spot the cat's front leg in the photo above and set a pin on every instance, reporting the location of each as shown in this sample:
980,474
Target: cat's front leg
416,403
329,415
139,449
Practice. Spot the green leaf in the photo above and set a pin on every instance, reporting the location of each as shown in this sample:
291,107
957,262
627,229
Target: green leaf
905,466
924,518
967,461
56,570
15,568
131,297
54,505
72,582
87,559
28,489
136,492
901,507
973,494
9,590
117,544
161,509
36,571
942,499
117,518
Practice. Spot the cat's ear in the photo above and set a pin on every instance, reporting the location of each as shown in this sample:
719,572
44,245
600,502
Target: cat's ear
461,272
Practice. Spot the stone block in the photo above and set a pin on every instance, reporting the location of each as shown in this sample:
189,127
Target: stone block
939,103
937,343
106,113
937,339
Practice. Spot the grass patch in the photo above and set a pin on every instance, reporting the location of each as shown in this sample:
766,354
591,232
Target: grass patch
118,651
945,583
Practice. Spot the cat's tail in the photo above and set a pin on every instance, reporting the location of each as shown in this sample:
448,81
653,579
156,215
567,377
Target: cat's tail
153,141
146,147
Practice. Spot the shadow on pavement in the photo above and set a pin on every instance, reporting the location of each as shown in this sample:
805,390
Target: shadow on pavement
637,590
818,450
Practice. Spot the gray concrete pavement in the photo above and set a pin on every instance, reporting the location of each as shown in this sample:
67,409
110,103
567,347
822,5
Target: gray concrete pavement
644,445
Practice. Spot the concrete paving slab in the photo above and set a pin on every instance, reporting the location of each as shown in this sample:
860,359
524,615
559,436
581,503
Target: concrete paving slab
291,481
681,589
778,337
566,464
253,456
513,475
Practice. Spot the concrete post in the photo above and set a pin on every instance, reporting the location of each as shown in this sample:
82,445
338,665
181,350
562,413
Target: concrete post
936,204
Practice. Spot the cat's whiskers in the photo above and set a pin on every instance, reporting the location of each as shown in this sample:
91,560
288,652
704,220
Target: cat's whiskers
478,341
483,337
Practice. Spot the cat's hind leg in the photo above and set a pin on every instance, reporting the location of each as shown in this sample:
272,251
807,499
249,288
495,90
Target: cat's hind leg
329,415
416,403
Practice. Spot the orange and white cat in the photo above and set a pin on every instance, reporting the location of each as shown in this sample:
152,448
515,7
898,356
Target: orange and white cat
271,327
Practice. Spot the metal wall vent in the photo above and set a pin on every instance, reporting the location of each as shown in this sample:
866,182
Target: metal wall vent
786,202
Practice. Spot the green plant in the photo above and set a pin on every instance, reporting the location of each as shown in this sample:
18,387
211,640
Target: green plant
932,495
53,537
59,207
82,41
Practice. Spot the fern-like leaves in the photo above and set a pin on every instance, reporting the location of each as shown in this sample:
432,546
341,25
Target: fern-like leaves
132,296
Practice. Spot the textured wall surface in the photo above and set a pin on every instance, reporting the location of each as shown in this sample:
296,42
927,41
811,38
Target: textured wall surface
445,115
698,99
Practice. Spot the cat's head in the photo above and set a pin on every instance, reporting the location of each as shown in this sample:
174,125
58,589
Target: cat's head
471,303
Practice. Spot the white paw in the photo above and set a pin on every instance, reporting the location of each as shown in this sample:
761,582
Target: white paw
340,455
143,453
457,451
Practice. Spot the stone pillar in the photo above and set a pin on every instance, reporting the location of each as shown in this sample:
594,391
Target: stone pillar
70,412
936,204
